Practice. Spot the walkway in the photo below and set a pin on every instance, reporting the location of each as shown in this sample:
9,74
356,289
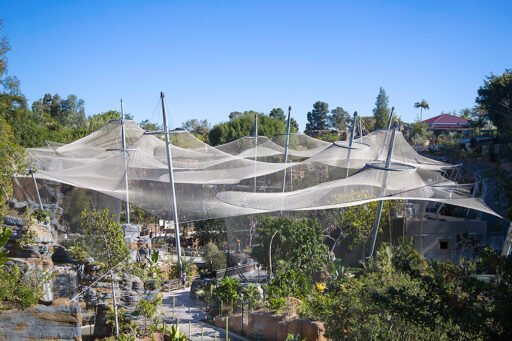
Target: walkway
191,311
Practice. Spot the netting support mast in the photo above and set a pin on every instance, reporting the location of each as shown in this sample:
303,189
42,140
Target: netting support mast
125,161
387,131
173,188
36,188
255,146
360,129
354,123
378,215
286,146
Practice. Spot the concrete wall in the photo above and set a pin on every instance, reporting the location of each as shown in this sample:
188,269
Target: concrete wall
273,327
428,235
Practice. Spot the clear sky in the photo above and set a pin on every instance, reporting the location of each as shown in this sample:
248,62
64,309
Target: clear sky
215,57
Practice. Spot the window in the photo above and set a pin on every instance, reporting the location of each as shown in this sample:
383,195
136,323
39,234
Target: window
443,245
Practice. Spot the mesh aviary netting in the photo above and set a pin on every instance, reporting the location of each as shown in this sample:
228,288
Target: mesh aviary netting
241,177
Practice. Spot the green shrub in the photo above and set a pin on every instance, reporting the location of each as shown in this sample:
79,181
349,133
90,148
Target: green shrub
28,237
77,252
41,216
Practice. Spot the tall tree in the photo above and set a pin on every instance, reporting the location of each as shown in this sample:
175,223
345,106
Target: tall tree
423,105
339,119
495,96
277,113
4,48
317,118
381,110
298,243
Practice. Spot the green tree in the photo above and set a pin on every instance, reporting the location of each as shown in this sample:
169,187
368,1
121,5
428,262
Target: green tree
214,257
339,119
466,113
423,105
243,125
277,113
298,243
211,230
4,48
11,159
318,117
381,110
100,120
149,126
495,96
104,239
198,128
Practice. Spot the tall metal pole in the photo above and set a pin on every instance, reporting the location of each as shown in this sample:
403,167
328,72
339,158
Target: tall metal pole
390,117
360,129
387,131
354,123
286,146
350,142
255,146
125,161
171,179
37,189
376,224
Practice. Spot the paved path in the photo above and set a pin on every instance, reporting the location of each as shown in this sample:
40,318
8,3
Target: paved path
191,311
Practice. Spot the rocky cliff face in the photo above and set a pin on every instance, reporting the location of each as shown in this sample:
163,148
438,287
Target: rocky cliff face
60,321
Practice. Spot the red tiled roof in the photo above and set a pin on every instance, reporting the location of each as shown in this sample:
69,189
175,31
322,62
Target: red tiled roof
447,119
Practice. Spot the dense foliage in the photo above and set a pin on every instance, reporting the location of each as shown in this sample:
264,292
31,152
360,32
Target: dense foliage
298,242
242,124
402,296
103,237
19,288
495,96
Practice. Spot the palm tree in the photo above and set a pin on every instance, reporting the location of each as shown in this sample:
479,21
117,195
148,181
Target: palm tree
467,113
422,105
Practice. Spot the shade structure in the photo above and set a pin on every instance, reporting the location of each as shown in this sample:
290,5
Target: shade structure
216,182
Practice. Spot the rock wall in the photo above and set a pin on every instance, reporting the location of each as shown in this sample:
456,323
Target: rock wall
60,321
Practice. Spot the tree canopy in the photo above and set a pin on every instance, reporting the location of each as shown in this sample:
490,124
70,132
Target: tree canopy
381,110
318,117
495,96
339,119
241,125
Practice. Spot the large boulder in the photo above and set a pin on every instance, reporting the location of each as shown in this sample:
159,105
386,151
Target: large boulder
13,221
16,251
60,321
61,255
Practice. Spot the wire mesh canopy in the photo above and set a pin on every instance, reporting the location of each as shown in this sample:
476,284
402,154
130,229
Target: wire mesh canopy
243,177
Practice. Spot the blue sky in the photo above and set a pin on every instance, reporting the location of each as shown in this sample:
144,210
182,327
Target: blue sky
214,57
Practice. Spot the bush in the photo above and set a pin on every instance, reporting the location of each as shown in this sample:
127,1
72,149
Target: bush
77,252
41,216
227,290
28,237
21,289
